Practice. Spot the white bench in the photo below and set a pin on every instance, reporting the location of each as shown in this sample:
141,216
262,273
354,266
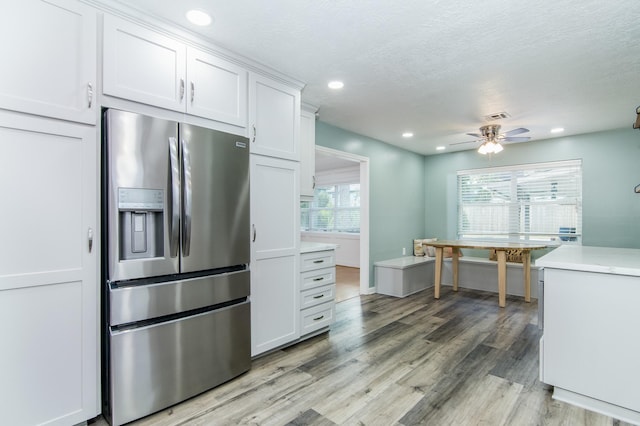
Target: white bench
404,276
410,274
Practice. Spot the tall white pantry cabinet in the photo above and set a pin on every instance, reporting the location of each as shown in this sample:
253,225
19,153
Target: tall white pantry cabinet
275,213
49,217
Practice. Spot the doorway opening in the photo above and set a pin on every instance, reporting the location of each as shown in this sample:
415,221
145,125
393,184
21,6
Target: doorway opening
339,169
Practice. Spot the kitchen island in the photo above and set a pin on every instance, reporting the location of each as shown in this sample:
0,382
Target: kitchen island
591,344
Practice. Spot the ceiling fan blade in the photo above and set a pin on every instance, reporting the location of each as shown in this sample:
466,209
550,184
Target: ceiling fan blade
516,131
518,139
460,143
475,135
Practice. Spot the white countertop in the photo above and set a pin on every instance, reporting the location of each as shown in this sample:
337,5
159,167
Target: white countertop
309,247
607,260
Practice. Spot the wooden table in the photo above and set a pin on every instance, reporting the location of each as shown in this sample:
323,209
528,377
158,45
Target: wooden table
500,248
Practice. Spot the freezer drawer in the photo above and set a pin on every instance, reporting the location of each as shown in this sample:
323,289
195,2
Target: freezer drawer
137,303
160,365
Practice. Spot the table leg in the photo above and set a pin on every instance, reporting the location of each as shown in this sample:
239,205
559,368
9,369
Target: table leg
502,277
438,276
455,255
526,267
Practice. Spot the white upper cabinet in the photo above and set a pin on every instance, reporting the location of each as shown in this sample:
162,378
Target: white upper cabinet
217,89
142,65
145,66
49,59
274,118
307,152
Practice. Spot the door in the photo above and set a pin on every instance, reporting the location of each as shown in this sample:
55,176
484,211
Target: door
142,65
48,271
275,118
143,167
275,218
216,199
217,89
49,59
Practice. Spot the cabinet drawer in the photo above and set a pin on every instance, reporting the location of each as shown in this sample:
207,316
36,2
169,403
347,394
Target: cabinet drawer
317,260
316,317
318,295
317,278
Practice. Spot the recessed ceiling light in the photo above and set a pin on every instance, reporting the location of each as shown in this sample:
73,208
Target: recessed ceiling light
440,148
336,85
407,135
198,17
557,130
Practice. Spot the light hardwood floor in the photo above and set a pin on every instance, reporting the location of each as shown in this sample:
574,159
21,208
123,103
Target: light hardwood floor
347,282
459,360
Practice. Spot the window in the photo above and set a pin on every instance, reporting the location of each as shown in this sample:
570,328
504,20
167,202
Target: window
540,201
335,208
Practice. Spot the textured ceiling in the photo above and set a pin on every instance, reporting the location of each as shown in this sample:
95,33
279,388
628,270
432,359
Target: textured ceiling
436,68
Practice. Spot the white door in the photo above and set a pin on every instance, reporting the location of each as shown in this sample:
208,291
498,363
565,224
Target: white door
217,89
275,253
48,271
49,59
143,66
274,118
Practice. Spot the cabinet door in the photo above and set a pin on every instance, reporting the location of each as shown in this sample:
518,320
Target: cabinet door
275,253
217,89
142,65
49,59
591,324
307,154
275,118
48,272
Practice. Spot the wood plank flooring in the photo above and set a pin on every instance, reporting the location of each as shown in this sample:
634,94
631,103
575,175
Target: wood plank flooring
347,282
459,360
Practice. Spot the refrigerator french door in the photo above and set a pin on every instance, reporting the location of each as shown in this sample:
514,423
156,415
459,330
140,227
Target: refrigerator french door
176,275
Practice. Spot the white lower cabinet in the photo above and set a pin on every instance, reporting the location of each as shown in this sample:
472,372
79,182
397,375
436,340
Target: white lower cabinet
590,350
275,216
317,291
48,272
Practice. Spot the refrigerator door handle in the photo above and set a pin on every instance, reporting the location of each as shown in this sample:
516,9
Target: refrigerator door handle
174,222
188,198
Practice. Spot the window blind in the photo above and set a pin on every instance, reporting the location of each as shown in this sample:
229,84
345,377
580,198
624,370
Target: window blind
540,201
335,208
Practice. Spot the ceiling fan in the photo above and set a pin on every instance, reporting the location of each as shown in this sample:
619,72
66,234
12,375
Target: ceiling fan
492,139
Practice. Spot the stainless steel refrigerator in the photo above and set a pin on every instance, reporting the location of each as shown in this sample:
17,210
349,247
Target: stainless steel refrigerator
176,262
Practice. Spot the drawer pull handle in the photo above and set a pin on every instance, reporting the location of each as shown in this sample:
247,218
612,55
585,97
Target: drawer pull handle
318,279
320,296
318,261
319,318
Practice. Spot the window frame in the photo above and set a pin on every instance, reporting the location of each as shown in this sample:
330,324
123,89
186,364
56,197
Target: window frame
519,212
335,210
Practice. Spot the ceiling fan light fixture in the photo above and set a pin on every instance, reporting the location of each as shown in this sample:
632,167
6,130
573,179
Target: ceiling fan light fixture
490,147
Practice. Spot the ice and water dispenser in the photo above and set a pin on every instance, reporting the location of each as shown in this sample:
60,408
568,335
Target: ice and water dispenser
141,216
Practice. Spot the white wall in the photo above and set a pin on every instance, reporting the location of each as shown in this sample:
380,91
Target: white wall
348,251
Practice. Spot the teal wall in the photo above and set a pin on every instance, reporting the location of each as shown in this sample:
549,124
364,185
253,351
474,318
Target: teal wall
396,191
413,195
610,171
